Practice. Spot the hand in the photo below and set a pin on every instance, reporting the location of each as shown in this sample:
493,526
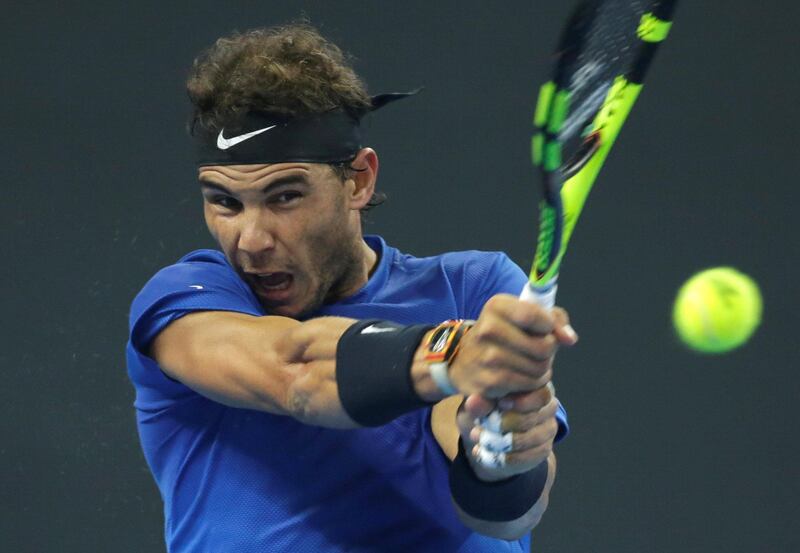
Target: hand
510,349
528,428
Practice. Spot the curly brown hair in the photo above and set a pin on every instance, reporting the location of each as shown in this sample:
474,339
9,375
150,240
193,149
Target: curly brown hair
290,70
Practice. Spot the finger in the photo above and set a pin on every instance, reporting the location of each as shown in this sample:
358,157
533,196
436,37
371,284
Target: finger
510,441
492,441
562,329
464,420
495,384
514,421
526,357
492,423
496,331
529,457
539,435
526,402
489,459
530,317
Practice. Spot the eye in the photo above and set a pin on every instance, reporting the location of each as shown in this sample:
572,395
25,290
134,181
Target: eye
223,201
286,198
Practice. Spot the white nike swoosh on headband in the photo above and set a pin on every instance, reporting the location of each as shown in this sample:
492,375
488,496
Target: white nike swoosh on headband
225,143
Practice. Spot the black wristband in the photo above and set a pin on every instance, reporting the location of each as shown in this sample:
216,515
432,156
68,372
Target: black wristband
373,370
499,501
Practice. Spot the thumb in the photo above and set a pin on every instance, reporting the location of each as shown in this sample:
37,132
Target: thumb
562,330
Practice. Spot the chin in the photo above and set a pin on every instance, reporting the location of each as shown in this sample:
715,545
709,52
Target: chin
291,310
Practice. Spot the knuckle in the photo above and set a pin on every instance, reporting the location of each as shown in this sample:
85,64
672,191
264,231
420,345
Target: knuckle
528,314
495,303
551,407
492,384
490,305
544,377
464,421
520,422
552,428
560,315
532,401
546,396
493,357
488,331
543,347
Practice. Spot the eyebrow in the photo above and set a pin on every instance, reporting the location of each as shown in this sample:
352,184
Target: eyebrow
282,181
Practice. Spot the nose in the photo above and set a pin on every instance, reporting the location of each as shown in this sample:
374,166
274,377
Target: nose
255,236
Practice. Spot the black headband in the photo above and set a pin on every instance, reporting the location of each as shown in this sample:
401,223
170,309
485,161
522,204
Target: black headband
330,137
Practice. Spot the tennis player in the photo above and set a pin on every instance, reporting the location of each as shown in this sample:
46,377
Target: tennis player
310,389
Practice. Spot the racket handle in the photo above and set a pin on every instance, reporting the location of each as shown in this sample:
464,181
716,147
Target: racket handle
542,295
546,297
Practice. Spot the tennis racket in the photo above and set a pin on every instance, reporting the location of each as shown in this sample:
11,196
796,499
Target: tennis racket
600,65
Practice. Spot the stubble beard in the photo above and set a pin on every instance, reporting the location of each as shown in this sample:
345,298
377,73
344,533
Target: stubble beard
337,271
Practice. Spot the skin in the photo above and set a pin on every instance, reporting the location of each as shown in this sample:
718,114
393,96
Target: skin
296,218
301,222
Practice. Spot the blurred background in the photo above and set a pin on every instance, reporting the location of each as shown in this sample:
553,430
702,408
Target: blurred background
670,451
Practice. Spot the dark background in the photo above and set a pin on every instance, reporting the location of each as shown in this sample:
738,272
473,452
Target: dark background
670,451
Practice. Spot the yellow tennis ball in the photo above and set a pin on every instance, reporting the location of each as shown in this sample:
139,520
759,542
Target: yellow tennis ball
717,310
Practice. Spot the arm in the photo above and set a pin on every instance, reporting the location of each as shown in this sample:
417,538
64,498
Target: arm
273,364
282,366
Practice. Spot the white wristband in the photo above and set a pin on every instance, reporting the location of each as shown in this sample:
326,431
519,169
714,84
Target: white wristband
442,378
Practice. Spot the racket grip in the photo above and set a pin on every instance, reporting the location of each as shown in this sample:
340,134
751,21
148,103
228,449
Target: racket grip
542,295
546,297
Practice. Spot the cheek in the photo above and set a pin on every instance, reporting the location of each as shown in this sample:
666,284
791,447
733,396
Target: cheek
217,228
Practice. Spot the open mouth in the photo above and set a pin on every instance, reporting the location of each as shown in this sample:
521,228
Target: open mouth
272,287
274,281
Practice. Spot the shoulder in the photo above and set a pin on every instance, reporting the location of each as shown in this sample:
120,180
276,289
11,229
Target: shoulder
196,270
478,265
198,263
472,276
200,280
473,268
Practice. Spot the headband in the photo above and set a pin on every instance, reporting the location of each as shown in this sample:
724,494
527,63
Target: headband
330,137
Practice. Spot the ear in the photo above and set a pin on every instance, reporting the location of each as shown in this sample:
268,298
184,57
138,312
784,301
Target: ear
361,185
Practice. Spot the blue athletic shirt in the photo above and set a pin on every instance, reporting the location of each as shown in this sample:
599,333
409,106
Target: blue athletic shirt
244,481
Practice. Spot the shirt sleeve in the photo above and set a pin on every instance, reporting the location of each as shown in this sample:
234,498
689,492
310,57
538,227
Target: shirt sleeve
503,276
201,281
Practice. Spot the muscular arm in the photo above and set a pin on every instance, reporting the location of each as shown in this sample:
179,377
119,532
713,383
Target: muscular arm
273,364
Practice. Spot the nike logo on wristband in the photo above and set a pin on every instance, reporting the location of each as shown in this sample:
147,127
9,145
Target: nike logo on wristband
376,329
225,143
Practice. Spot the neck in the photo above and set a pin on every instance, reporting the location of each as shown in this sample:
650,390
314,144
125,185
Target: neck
364,261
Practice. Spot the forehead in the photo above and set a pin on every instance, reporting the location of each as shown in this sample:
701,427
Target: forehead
260,175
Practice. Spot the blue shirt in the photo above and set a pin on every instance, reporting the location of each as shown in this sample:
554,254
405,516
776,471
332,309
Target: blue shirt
247,481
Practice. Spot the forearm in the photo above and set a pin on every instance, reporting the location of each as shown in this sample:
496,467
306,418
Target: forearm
274,364
514,529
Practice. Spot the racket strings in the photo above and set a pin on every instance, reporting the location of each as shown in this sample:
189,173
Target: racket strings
605,47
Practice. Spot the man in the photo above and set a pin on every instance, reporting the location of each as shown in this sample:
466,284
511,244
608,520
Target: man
298,391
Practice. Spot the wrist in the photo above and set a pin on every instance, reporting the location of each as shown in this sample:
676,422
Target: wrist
374,361
501,500
439,349
424,385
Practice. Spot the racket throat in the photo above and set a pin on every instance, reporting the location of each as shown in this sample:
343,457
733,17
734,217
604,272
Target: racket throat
551,218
